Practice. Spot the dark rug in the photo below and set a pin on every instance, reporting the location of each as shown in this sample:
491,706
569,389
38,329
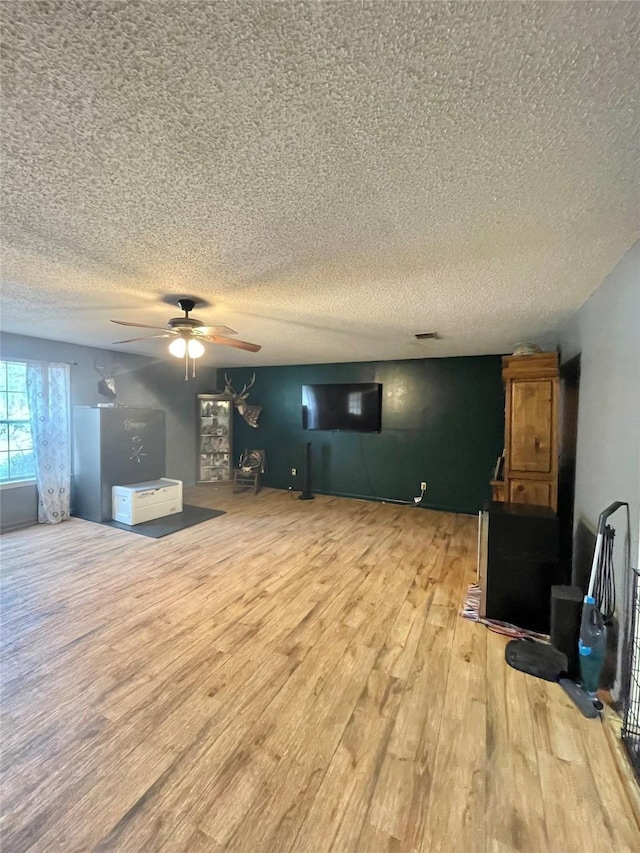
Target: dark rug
160,527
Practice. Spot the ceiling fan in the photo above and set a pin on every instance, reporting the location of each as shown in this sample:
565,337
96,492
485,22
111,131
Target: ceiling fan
188,334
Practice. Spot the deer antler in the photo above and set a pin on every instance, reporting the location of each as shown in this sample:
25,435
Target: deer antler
249,413
107,370
245,390
228,387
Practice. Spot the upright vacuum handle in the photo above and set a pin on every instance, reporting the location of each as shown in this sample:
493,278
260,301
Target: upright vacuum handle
604,515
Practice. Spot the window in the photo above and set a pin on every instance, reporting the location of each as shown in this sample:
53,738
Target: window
16,448
354,403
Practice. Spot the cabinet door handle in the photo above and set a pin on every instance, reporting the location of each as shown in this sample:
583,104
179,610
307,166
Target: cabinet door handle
536,443
520,488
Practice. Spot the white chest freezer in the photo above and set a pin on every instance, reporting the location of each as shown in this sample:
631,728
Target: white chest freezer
145,501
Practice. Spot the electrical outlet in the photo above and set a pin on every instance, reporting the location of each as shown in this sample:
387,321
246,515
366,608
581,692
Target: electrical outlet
423,486
294,471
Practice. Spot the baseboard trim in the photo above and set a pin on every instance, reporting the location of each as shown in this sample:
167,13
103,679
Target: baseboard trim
422,505
11,528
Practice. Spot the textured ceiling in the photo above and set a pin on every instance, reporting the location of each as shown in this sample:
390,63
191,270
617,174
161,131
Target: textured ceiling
330,177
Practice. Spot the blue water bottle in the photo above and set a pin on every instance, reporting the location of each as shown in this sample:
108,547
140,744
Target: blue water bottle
591,647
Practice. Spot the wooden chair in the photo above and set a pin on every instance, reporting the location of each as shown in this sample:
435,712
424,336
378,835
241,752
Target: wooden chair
248,474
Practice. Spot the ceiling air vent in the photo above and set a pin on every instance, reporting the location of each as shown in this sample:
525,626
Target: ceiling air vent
427,336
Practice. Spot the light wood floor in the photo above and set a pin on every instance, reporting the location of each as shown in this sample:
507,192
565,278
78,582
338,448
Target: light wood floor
290,676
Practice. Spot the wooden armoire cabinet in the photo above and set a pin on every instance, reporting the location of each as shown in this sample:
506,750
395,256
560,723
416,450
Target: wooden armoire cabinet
531,429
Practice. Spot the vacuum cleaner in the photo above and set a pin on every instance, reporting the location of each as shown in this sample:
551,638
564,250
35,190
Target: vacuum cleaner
598,602
544,661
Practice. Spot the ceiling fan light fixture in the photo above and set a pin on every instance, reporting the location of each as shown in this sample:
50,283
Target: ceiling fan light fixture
194,348
186,347
187,334
178,347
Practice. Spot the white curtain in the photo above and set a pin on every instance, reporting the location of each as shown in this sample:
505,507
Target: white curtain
48,395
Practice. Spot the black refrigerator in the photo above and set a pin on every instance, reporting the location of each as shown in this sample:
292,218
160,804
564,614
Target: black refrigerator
114,447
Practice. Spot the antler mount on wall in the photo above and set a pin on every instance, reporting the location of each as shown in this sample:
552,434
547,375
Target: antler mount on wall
249,413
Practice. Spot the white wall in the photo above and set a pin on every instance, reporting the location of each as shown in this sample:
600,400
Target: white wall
606,332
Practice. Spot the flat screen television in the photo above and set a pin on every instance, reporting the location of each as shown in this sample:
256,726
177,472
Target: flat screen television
355,407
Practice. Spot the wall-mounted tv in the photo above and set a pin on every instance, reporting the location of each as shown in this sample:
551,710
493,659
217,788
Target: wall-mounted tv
355,407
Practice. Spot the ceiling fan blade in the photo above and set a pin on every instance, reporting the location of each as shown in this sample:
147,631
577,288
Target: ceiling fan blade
215,330
138,325
229,342
146,338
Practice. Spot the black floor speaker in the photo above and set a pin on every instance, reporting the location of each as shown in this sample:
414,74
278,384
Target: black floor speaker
306,495
566,613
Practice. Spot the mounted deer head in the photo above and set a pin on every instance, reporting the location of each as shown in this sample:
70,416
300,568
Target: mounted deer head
107,385
249,413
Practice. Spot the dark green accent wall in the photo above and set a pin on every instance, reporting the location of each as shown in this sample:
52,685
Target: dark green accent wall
442,421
